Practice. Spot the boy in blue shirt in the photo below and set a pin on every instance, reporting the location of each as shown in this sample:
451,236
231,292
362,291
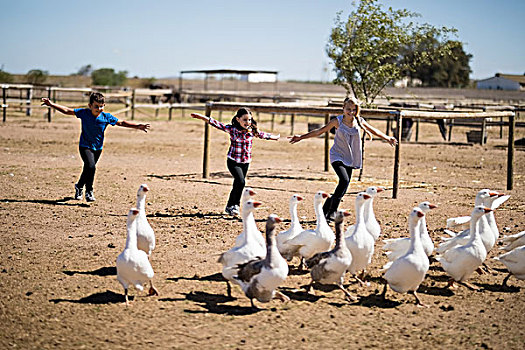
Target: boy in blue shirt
94,122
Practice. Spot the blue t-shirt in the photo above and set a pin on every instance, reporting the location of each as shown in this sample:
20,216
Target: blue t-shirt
92,135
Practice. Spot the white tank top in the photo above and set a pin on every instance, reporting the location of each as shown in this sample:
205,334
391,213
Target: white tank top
347,145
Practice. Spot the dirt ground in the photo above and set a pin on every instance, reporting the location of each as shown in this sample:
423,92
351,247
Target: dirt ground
57,261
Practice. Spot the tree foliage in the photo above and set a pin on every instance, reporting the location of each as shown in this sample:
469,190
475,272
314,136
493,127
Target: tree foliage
367,49
452,70
36,76
85,71
5,77
108,77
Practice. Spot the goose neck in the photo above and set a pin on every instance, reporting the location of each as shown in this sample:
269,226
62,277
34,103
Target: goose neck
131,239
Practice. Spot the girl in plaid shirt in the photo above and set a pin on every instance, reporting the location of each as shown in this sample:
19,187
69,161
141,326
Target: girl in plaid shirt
242,130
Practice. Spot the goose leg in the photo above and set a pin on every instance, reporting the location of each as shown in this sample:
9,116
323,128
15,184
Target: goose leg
310,289
361,282
126,297
489,269
480,271
152,289
418,301
228,289
504,284
383,294
349,296
450,284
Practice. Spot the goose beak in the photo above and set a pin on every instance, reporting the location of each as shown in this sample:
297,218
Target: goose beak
299,198
346,213
252,192
257,204
487,210
366,196
420,214
432,206
380,189
325,195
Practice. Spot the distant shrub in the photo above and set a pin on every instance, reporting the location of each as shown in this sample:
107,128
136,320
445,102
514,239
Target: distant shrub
5,77
108,77
36,76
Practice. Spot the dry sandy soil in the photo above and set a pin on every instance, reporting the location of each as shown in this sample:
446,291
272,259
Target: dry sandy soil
57,257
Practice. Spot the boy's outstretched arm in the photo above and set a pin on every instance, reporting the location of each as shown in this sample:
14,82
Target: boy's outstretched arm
126,124
60,108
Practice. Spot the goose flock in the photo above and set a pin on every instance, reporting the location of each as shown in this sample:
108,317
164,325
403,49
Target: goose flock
259,265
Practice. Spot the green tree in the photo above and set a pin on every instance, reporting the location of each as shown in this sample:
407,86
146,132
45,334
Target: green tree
108,77
36,76
366,49
85,71
5,77
451,70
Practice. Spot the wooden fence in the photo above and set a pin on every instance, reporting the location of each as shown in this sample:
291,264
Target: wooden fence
377,113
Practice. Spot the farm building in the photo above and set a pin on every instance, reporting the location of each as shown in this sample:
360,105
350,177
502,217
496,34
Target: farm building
503,82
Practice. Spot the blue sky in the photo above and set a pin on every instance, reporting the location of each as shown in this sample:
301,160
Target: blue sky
161,38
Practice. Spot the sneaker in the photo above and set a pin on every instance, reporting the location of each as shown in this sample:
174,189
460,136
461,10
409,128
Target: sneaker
232,210
78,192
90,197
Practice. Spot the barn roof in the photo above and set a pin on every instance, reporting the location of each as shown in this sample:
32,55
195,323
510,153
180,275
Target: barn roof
229,71
514,77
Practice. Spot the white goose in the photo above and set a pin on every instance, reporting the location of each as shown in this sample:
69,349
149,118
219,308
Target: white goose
310,242
406,273
330,267
491,219
396,247
248,194
133,266
483,198
513,241
250,249
145,234
284,237
260,278
459,262
370,219
361,242
515,262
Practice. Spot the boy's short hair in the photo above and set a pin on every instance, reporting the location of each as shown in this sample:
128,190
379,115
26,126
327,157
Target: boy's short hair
96,97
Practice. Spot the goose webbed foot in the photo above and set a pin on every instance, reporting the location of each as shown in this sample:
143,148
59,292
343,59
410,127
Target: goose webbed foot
470,286
419,303
152,290
128,303
282,297
450,284
348,295
310,289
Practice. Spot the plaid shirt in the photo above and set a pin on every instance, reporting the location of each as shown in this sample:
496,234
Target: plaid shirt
241,141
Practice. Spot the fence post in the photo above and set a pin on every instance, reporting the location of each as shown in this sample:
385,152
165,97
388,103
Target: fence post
510,153
326,144
29,96
133,105
49,108
395,185
206,158
483,130
4,103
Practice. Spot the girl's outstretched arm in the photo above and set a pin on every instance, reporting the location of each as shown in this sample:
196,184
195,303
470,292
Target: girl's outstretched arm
60,108
314,133
200,116
390,139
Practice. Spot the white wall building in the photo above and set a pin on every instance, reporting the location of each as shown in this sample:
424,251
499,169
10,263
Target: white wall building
503,82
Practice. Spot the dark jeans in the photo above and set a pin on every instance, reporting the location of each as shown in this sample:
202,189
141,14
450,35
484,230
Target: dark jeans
90,159
345,174
238,171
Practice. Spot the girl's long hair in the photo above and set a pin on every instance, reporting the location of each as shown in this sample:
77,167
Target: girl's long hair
357,105
240,112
